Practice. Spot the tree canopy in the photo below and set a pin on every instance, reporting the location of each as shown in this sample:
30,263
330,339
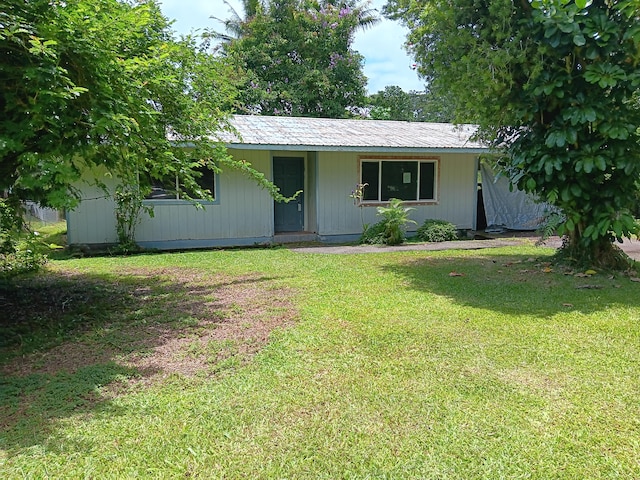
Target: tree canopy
554,87
393,103
296,57
104,83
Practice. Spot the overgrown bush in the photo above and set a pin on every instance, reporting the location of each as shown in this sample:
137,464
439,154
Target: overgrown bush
433,230
20,261
373,234
391,229
17,245
10,225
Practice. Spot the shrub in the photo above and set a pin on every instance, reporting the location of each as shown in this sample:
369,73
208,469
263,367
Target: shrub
636,210
437,231
20,262
373,234
391,229
18,254
10,225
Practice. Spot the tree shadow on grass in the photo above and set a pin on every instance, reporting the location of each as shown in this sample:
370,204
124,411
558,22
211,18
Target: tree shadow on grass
516,284
71,342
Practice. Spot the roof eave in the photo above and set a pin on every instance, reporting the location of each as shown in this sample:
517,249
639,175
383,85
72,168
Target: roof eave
351,148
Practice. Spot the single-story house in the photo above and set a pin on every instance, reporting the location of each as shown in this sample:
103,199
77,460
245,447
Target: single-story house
433,167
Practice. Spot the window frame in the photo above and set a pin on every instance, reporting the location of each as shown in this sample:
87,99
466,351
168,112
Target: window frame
177,200
435,160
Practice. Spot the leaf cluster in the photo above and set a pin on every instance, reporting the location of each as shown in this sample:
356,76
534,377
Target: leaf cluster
434,230
295,58
104,83
553,85
391,229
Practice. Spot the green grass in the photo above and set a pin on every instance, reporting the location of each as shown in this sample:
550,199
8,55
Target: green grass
392,369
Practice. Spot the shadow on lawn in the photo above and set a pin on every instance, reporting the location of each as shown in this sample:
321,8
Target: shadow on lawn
70,343
513,284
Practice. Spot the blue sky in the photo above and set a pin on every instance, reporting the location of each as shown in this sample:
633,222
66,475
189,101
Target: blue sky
386,63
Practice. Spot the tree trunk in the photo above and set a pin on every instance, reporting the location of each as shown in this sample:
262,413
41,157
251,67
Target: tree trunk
600,253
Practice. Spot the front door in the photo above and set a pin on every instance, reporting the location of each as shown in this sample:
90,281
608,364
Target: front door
288,175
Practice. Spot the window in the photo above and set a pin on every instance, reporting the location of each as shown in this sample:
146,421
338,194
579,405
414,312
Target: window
411,180
171,189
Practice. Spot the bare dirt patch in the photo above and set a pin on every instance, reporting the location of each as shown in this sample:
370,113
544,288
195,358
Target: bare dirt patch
155,322
226,327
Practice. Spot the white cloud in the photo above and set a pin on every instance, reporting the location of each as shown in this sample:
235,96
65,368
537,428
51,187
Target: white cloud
386,63
195,14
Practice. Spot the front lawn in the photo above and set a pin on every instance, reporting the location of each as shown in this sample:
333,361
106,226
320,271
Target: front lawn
275,364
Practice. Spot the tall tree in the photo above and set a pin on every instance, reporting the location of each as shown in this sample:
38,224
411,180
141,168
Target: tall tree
234,26
553,84
297,58
434,105
103,83
393,103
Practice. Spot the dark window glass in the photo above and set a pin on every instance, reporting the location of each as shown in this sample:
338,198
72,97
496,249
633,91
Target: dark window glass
165,189
370,175
427,180
399,180
162,189
206,181
410,180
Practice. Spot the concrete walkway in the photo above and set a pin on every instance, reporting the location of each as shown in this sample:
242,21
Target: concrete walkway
630,247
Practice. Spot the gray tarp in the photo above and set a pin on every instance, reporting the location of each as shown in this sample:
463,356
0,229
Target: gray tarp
514,210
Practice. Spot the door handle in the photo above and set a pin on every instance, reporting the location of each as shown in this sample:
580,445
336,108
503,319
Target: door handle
299,207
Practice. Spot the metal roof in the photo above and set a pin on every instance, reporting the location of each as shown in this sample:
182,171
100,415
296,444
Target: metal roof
327,134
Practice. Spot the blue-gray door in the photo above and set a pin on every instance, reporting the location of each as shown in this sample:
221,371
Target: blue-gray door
288,175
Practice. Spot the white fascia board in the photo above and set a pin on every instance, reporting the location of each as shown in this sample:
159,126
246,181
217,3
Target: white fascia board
329,148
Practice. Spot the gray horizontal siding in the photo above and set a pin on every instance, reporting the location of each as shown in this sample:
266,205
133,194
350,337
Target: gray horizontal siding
242,211
338,175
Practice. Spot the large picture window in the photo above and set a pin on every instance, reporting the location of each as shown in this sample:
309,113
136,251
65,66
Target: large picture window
410,180
171,189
